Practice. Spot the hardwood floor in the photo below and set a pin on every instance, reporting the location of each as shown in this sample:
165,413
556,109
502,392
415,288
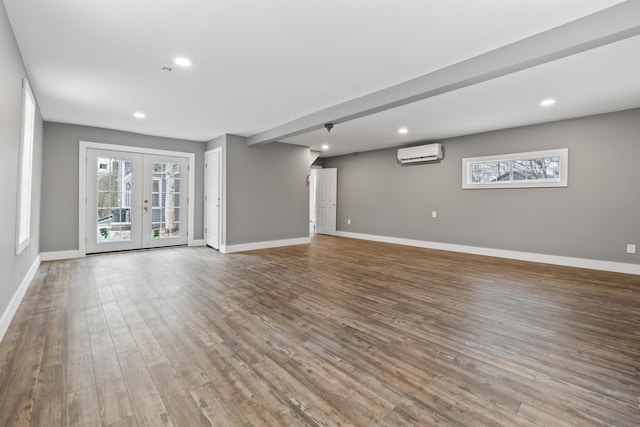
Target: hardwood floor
339,332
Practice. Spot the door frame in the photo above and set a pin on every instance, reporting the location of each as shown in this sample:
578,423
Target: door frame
82,189
223,194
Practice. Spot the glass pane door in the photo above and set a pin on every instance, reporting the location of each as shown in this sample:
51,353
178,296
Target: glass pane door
115,180
114,220
165,202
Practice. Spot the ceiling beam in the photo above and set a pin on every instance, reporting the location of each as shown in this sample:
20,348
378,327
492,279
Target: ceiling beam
599,29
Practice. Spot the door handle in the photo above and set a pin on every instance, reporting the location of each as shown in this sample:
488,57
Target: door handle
146,209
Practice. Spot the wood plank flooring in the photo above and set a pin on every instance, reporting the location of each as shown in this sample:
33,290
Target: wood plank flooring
340,332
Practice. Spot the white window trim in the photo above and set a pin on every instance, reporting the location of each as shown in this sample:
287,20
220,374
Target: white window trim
25,169
561,181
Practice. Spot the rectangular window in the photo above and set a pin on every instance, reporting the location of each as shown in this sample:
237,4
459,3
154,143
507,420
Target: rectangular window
535,169
23,229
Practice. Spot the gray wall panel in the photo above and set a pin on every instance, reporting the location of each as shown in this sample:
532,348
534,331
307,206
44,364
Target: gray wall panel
267,191
60,175
594,217
14,268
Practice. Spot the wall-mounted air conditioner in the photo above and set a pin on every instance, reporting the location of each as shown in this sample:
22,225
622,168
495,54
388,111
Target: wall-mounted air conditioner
421,153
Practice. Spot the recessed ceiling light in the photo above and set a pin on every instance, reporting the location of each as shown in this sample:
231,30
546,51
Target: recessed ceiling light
183,62
547,102
403,131
139,115
325,146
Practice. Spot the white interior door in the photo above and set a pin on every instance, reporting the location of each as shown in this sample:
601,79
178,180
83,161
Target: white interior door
327,190
135,201
213,168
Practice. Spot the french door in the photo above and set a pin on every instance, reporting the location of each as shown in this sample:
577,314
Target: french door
135,200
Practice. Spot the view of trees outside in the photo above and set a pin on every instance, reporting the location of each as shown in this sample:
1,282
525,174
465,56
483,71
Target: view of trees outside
540,168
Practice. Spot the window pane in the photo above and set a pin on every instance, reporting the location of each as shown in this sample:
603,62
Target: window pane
156,215
535,168
114,199
175,231
476,172
504,171
166,199
552,167
519,170
490,172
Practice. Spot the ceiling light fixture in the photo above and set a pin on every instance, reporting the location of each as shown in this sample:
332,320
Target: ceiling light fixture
182,62
139,115
547,102
325,146
403,131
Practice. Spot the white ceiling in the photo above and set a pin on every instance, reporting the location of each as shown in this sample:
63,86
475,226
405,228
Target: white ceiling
259,64
601,80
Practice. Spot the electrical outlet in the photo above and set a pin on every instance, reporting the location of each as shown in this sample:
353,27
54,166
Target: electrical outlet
631,249
434,214
349,221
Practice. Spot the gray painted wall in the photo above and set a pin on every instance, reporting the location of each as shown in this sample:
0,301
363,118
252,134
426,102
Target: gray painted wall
267,196
60,177
13,269
594,217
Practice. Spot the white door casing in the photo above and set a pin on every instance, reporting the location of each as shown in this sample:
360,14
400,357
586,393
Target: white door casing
327,190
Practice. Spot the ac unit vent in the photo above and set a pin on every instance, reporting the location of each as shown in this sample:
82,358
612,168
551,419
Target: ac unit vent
420,153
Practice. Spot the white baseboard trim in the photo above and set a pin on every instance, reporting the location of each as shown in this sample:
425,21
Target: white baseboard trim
8,314
592,264
199,242
58,255
227,249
